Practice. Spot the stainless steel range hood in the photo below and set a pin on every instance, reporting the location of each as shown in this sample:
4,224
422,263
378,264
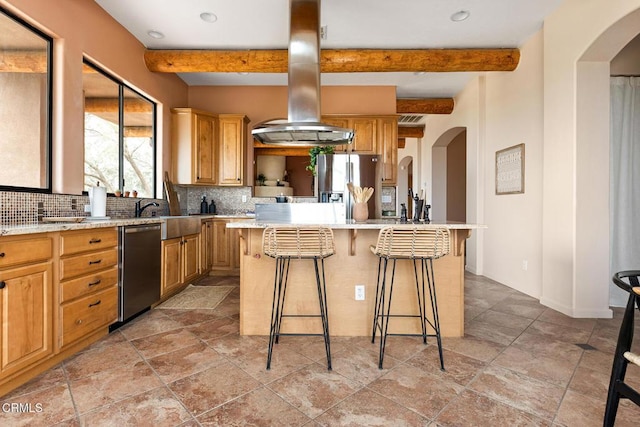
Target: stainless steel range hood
303,126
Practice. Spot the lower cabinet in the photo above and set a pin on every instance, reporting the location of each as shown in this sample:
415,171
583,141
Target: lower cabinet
180,262
226,247
26,310
206,246
88,273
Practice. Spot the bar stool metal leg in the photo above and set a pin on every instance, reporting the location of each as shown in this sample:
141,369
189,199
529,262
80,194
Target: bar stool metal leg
324,315
279,291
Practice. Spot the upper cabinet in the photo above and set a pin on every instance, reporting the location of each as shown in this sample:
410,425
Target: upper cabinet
208,149
365,128
232,149
387,129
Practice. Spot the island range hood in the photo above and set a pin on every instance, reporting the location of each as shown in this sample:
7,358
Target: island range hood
303,126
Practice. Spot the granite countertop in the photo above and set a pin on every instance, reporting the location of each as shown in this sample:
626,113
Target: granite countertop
9,230
13,230
372,224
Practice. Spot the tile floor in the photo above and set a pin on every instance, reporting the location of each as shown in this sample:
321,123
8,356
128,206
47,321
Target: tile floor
517,365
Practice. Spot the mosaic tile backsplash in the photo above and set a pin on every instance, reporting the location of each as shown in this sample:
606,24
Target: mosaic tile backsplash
17,208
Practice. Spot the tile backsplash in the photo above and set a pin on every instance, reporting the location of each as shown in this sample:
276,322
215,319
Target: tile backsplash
18,208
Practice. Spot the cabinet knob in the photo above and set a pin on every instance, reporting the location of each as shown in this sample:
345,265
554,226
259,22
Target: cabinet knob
3,284
1,254
95,262
97,282
95,303
79,322
95,241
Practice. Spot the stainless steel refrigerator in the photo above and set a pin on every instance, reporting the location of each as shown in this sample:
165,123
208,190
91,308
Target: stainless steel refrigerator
334,171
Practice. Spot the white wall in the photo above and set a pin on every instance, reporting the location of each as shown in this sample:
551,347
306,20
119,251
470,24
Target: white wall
514,116
468,113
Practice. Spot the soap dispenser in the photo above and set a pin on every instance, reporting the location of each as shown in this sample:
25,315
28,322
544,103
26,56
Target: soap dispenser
204,207
212,207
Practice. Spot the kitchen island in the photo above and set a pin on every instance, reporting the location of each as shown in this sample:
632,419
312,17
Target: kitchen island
353,264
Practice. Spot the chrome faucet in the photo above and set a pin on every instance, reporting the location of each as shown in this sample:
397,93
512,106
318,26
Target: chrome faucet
138,209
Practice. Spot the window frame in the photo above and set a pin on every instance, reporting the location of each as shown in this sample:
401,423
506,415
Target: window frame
48,146
121,114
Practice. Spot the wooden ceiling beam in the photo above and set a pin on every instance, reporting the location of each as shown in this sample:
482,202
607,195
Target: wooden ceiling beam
410,131
424,106
23,61
110,105
138,131
334,60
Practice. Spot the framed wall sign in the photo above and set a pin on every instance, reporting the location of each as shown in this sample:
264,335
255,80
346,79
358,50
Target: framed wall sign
510,170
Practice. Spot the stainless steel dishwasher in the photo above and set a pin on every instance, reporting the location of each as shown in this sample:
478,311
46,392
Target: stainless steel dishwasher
140,269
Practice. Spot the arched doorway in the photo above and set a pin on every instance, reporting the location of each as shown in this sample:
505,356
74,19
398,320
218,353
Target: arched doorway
448,174
592,144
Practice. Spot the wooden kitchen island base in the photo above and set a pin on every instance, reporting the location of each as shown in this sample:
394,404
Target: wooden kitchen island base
353,264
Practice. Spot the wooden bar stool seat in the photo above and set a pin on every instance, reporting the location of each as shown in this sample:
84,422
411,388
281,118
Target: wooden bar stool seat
285,244
421,245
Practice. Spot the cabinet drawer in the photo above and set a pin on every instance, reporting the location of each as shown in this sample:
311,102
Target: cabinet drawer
20,251
84,316
74,242
72,289
88,263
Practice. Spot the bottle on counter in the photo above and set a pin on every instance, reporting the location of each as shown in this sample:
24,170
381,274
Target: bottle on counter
403,212
212,207
204,207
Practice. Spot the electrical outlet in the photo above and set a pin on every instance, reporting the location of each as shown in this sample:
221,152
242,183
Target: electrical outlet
359,292
525,264
244,198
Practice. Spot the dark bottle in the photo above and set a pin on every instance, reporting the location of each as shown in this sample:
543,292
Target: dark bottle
403,212
204,207
212,207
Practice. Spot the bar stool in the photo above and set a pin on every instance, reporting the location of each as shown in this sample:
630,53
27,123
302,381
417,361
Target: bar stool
623,355
283,244
421,245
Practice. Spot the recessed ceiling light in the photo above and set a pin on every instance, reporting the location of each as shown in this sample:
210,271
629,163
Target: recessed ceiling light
155,34
460,16
208,17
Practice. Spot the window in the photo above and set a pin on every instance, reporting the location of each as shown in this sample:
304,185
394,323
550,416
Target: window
119,136
25,107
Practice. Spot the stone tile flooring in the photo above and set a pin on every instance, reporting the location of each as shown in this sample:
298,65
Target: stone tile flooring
518,364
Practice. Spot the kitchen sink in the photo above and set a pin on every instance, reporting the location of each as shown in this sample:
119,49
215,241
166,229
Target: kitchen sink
177,226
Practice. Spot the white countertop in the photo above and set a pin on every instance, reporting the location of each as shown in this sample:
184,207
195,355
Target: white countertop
372,224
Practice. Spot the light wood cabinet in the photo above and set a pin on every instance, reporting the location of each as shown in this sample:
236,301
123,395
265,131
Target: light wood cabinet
388,148
221,251
26,302
87,271
365,128
207,148
194,139
206,246
180,262
226,252
232,149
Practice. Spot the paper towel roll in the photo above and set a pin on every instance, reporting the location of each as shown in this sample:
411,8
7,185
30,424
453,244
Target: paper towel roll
98,201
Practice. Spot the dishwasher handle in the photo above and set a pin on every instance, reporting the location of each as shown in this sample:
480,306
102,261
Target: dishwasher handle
140,228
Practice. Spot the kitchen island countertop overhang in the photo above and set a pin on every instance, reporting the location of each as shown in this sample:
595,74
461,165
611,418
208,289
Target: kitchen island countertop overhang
353,264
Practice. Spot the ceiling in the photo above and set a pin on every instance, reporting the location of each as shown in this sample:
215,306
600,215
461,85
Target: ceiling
367,24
